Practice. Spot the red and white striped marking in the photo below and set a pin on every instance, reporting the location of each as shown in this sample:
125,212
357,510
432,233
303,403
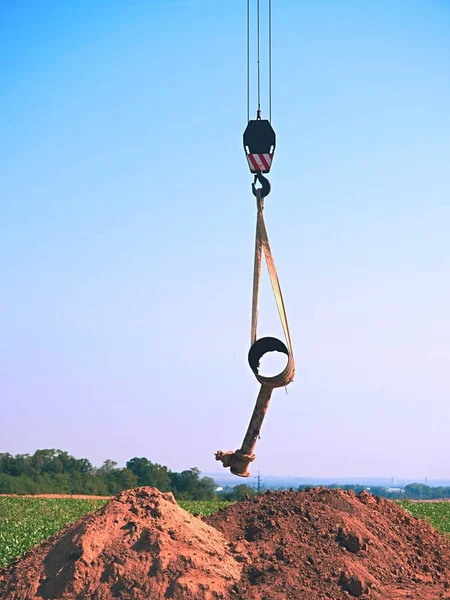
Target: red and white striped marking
260,162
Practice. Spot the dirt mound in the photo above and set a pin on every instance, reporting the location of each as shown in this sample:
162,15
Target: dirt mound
141,545
317,544
324,544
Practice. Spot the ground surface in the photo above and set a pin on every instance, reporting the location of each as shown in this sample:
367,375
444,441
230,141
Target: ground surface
28,520
328,544
315,545
140,545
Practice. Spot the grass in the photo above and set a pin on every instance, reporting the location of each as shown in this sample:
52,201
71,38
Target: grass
25,522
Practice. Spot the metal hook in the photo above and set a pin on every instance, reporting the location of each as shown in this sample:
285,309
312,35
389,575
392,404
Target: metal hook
264,190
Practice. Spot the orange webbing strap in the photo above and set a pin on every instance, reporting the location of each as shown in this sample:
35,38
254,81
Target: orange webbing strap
262,244
239,460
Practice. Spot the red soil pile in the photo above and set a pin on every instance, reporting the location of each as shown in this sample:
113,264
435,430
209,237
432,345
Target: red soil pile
141,545
324,544
313,545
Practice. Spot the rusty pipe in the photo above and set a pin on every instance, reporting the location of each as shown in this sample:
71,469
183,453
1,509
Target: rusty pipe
239,460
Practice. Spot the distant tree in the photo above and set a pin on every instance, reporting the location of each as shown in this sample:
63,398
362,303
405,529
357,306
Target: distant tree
206,489
151,474
68,462
188,485
7,462
117,480
127,479
6,483
83,466
184,484
21,465
239,492
93,485
17,484
45,461
108,466
417,491
61,483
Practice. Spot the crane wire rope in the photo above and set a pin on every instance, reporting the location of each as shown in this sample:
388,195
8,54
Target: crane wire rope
270,61
259,63
248,60
258,58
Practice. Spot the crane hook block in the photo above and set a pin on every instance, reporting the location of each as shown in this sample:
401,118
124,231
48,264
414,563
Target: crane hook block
259,145
265,188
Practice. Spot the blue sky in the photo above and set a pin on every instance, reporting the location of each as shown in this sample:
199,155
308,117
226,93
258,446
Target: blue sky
128,222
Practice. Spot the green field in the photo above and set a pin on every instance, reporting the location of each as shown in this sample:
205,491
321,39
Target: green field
24,522
436,514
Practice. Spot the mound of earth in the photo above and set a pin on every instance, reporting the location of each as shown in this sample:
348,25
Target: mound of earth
317,544
323,544
141,545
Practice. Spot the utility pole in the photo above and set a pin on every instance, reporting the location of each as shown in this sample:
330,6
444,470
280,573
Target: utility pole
258,488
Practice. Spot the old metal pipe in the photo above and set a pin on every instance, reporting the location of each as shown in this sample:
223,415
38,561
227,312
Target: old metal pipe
239,460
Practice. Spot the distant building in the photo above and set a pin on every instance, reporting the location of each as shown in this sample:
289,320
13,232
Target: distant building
395,490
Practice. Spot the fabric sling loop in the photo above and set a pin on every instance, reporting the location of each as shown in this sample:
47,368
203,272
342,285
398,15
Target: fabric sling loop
260,347
239,460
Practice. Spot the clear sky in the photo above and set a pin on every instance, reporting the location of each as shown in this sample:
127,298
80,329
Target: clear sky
127,224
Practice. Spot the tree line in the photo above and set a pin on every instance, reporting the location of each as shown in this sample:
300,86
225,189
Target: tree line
51,471
419,491
57,472
412,491
374,490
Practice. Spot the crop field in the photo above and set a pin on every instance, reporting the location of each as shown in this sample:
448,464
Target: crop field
25,522
436,514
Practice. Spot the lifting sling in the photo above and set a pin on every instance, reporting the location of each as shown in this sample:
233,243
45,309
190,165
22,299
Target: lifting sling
259,145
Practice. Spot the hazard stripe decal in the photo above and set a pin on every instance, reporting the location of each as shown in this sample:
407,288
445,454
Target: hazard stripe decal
260,162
